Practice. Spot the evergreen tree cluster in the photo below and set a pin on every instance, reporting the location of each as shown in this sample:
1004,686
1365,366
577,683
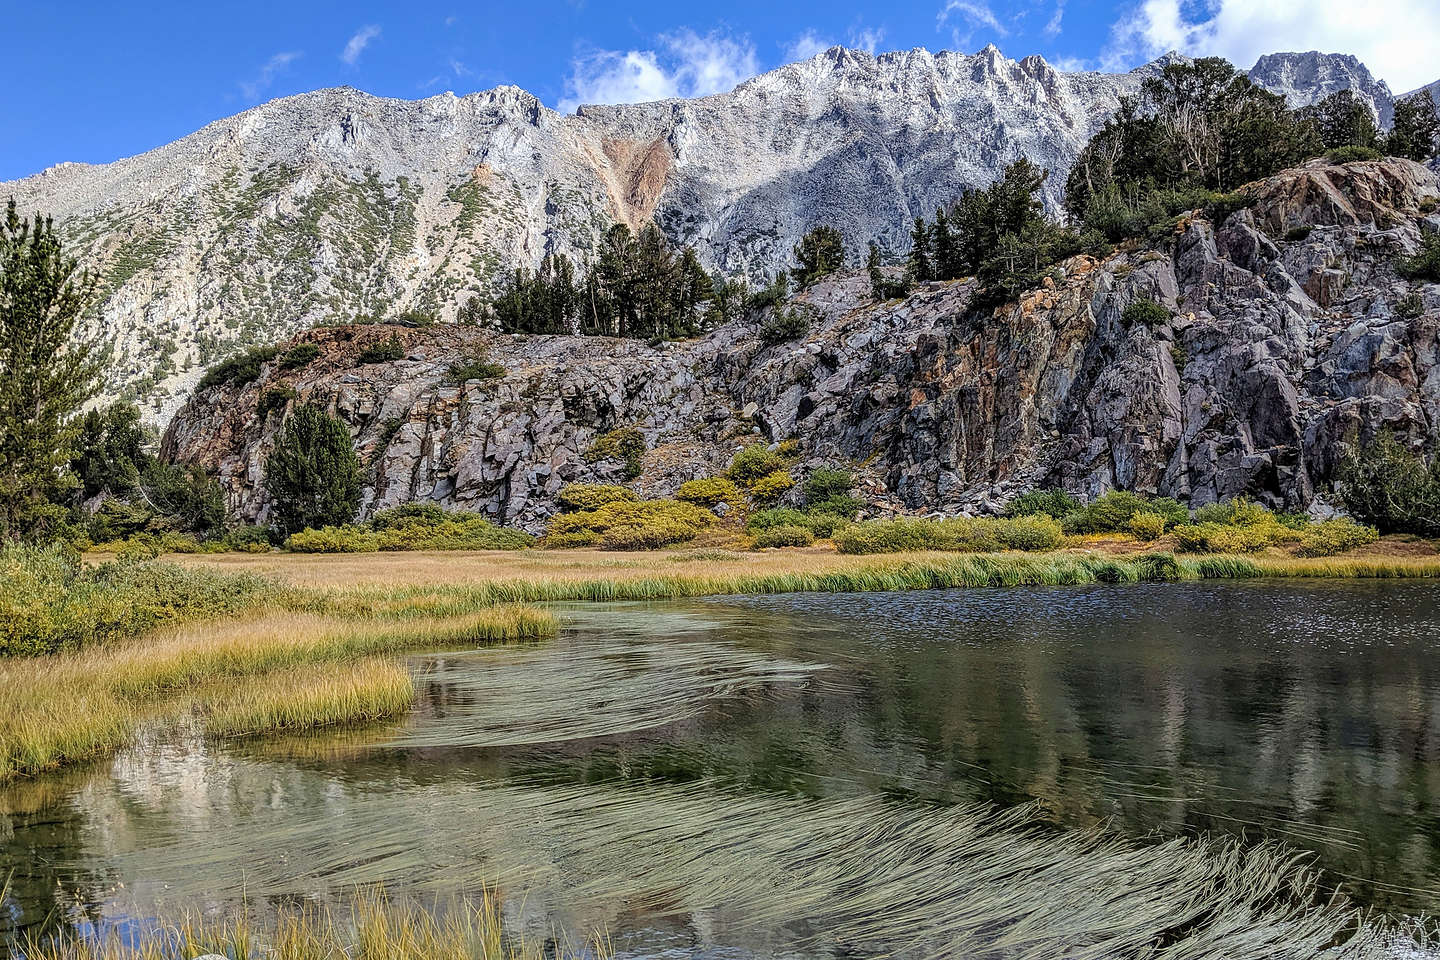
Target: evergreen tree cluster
998,234
638,286
1203,128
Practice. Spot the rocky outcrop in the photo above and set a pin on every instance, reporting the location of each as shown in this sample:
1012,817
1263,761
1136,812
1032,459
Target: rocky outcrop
1288,333
334,203
1306,78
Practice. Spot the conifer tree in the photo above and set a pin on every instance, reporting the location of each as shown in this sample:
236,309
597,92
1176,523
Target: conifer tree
313,474
1416,133
921,265
820,252
46,374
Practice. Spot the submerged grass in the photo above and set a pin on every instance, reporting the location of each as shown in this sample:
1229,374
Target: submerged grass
246,677
844,877
375,927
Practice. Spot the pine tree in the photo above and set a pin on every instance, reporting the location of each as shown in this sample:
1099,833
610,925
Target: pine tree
46,374
820,252
313,474
942,245
922,267
1416,133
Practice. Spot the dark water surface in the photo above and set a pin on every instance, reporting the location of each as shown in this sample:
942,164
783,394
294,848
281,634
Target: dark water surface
590,772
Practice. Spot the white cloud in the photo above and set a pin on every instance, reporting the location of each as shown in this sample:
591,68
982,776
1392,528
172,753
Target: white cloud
252,89
805,46
356,45
974,14
1052,29
1396,39
686,65
867,38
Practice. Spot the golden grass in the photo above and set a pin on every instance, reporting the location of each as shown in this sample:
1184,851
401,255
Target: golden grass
374,927
282,671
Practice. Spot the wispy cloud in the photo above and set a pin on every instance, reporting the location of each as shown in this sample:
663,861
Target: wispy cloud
805,46
973,15
253,89
684,65
1052,29
1241,31
867,38
356,44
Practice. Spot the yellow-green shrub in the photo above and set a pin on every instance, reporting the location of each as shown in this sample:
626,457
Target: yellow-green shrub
754,462
629,525
1147,526
1330,537
784,536
709,491
1222,538
592,496
345,539
772,486
965,534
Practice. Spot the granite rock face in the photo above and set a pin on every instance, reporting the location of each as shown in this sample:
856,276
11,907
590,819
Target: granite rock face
325,205
1289,334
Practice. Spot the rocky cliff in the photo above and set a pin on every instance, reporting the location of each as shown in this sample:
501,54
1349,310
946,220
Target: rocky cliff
336,203
1288,332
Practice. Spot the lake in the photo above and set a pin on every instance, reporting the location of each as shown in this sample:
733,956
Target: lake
814,775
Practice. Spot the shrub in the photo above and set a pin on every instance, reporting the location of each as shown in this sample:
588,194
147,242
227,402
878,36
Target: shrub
341,539
1111,513
467,370
593,496
427,527
1037,532
626,444
1330,537
710,491
1386,485
881,536
784,536
1352,153
842,506
1238,512
754,462
275,398
1145,313
1222,538
238,370
629,525
298,356
823,523
50,601
1051,503
775,517
772,486
382,351
1410,306
826,482
783,326
247,539
1425,264
313,474
1147,526
969,534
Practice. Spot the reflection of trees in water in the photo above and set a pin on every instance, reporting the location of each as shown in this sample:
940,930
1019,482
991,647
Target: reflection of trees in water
48,884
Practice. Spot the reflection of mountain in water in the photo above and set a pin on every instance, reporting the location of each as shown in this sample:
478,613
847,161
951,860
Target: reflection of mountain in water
1304,713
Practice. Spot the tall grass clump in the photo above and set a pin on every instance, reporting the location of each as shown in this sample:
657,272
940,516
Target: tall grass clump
414,526
374,927
50,601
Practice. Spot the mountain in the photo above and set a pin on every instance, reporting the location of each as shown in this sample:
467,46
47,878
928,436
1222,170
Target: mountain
1431,88
1285,334
1306,78
335,203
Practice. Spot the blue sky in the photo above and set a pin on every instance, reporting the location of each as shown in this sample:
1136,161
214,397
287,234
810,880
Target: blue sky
105,80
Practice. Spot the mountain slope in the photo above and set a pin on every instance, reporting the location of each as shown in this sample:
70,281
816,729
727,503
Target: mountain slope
1287,333
336,203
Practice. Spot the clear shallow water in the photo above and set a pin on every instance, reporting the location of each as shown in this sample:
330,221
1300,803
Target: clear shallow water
663,769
